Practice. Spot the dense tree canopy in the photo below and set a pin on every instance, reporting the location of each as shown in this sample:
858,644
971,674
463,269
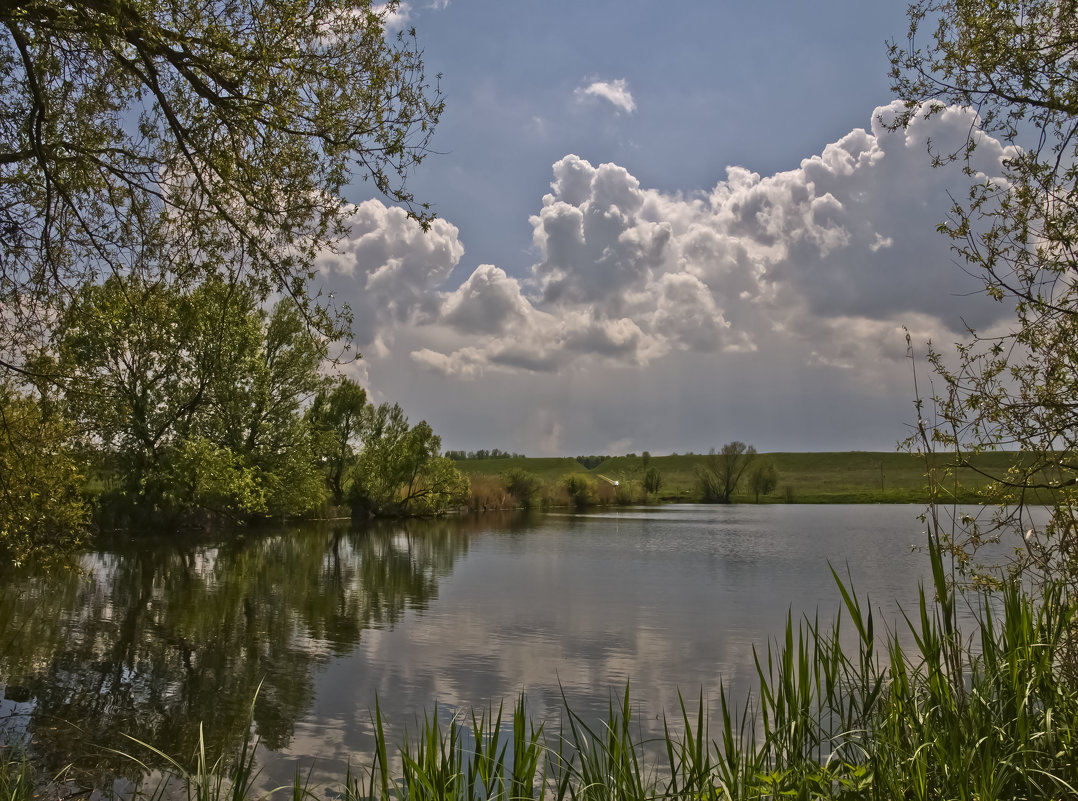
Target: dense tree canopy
1016,63
41,508
181,138
400,469
194,397
337,413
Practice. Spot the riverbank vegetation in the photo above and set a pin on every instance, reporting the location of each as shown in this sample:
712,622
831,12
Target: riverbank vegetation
196,410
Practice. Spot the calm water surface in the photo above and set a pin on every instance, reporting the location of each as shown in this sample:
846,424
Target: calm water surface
460,613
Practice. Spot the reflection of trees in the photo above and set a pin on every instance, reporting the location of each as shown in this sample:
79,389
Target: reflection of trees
154,640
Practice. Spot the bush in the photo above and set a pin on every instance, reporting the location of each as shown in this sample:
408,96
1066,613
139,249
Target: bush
581,491
487,493
522,485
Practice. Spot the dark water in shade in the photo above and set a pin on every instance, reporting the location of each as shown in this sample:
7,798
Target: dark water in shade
321,621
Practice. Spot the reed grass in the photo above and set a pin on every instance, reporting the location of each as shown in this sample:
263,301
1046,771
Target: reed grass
16,777
991,715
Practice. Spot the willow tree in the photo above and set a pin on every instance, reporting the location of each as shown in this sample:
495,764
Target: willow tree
720,474
183,138
1015,62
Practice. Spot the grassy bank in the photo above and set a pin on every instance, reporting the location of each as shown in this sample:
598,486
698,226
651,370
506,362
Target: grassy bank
991,717
844,477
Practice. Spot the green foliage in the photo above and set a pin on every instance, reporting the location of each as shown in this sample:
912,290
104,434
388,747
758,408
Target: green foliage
160,377
179,139
653,480
581,490
763,478
201,475
439,487
42,514
399,470
256,408
138,360
16,777
337,415
1014,62
522,485
495,453
721,472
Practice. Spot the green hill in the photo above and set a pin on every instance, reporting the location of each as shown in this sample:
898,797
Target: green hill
547,469
839,477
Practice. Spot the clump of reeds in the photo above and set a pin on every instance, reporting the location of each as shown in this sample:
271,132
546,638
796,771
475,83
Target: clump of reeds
16,782
987,717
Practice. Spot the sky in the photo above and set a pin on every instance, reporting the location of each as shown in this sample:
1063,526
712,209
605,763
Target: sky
661,228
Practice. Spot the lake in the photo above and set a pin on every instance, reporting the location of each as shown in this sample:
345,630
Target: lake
321,621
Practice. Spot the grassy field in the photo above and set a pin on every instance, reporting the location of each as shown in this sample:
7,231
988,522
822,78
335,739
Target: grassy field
843,477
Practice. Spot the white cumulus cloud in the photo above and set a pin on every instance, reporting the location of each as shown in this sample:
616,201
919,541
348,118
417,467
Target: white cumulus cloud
615,92
839,252
800,283
393,19
388,269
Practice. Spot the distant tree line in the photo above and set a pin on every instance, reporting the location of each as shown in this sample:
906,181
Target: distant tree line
495,453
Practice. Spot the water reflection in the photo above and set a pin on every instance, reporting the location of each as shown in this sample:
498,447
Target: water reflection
459,613
151,641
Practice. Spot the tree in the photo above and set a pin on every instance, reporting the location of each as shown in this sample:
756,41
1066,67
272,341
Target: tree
721,472
159,377
1015,63
174,138
522,485
42,513
338,414
201,475
399,469
439,487
653,480
580,490
256,408
138,360
763,478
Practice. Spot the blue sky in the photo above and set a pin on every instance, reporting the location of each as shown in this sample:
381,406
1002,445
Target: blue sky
760,85
660,229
